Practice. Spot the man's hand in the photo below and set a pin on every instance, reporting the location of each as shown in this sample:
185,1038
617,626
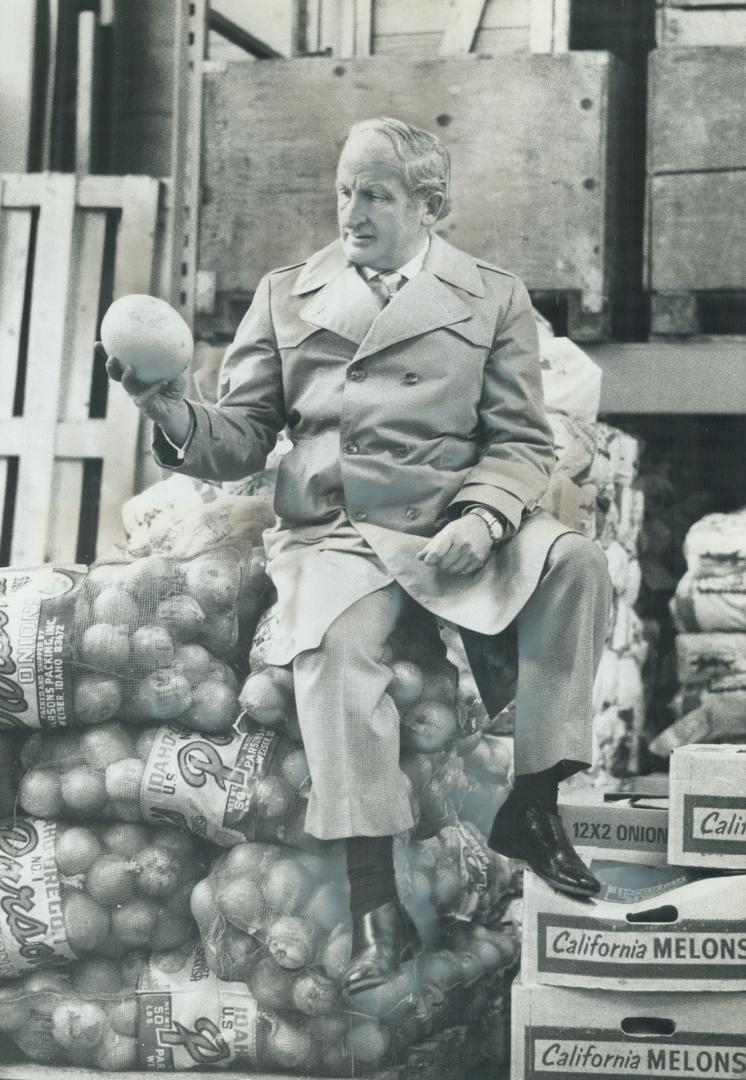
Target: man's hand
461,547
161,402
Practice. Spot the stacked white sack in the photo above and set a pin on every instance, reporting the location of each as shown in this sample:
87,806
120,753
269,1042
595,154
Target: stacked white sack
709,612
593,490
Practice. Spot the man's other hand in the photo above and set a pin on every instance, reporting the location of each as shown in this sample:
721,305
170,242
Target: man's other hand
461,547
161,402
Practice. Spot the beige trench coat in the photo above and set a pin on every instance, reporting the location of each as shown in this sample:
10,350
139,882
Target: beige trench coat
397,418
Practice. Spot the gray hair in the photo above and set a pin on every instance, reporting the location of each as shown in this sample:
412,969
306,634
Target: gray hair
426,163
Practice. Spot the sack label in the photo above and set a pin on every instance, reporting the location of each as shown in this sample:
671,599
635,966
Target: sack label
37,653
715,824
32,929
189,1019
204,782
552,1052
691,949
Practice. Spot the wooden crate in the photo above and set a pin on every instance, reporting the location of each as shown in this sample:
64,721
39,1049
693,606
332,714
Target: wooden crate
696,224
536,167
60,262
700,22
432,27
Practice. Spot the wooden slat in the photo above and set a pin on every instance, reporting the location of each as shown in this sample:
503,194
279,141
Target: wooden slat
45,357
464,17
64,512
697,118
15,231
706,376
103,192
392,17
506,14
550,26
75,438
679,27
704,3
85,289
494,42
413,45
17,67
85,90
363,27
88,258
508,39
133,273
697,234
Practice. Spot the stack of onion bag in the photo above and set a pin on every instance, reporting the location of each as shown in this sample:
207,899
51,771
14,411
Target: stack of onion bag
619,692
593,490
709,613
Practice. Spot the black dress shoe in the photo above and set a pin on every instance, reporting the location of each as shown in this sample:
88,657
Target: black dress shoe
382,939
533,834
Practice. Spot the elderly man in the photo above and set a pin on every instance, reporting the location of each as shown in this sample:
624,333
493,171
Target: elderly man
407,376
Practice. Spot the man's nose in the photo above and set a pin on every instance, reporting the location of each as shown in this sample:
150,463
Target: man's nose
355,212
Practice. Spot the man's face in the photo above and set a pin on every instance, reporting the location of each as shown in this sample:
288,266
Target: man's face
381,224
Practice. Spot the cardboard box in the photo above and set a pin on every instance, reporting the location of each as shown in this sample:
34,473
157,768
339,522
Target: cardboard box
707,824
660,934
559,1033
630,830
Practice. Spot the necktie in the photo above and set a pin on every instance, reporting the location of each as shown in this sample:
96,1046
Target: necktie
387,285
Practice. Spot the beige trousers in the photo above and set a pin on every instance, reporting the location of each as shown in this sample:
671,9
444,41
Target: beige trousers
350,725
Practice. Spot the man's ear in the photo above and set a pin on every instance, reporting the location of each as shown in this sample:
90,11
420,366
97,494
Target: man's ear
433,208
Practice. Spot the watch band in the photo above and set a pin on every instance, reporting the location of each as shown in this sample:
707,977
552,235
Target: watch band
491,520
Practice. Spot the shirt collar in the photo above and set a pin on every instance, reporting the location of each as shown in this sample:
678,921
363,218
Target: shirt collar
408,270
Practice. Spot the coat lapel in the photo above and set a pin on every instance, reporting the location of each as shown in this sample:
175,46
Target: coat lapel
423,304
345,306
342,302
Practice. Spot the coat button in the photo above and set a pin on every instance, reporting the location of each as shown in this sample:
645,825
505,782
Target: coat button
357,375
350,448
411,512
411,378
359,515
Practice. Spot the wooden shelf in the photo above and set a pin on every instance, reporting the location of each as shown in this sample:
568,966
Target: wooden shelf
699,375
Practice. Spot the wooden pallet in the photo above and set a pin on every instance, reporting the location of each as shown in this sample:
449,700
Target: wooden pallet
700,22
696,228
58,458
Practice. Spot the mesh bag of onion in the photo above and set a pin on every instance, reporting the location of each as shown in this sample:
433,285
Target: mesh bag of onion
225,788
70,891
167,1011
149,640
277,920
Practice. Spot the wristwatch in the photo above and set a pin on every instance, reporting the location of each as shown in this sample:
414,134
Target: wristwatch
491,519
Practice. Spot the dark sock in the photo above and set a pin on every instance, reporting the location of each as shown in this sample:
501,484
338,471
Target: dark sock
370,870
542,787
